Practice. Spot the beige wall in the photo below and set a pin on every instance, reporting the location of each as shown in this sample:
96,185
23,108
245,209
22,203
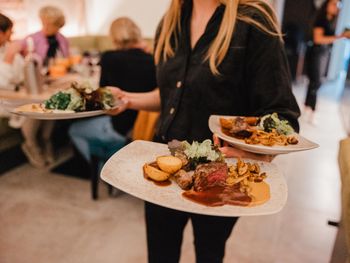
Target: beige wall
146,13
25,15
279,7
86,16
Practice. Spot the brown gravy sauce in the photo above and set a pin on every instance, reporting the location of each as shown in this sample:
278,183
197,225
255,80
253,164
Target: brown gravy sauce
219,196
230,195
227,132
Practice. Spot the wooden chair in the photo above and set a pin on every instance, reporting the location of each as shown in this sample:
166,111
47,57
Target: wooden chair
145,125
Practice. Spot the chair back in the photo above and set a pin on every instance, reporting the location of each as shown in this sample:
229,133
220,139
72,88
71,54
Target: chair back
145,125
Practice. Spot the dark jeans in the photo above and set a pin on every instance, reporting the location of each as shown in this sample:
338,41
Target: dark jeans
318,60
165,230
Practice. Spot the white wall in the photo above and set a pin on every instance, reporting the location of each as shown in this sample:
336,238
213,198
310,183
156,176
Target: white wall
146,13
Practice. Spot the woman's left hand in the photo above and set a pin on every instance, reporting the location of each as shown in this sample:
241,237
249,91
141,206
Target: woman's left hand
230,151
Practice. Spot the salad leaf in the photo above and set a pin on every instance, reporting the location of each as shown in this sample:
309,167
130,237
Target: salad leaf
198,150
271,121
76,101
58,101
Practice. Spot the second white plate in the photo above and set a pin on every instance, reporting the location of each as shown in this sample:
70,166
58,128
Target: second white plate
303,144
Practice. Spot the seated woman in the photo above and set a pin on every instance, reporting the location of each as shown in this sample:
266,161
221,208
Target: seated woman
48,43
128,67
11,62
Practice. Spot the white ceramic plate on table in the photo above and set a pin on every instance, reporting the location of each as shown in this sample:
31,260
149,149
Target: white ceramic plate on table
303,143
124,171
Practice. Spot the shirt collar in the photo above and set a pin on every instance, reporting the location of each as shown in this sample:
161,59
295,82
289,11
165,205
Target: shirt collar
211,28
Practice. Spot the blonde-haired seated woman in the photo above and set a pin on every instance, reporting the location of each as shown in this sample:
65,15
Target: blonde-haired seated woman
48,43
127,66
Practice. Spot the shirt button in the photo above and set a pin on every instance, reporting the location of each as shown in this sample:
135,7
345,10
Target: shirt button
172,110
178,84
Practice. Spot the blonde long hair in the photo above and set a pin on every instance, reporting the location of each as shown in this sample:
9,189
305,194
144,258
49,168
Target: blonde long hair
219,47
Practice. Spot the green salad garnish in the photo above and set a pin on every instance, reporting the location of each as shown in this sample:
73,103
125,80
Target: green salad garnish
271,121
195,153
81,97
198,150
58,101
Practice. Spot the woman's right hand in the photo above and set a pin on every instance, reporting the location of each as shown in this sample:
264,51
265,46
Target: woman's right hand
120,95
230,151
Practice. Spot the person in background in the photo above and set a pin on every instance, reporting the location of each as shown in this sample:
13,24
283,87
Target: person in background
48,44
127,66
319,53
222,57
11,62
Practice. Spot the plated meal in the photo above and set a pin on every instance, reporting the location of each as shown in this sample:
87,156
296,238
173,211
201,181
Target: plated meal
265,135
201,170
268,130
78,101
196,178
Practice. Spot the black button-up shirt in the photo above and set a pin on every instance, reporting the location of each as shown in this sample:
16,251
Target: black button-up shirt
254,80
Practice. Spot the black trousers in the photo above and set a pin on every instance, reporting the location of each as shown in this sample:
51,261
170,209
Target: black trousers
165,231
318,63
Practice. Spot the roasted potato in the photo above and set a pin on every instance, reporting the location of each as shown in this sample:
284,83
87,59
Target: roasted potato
251,120
169,164
155,174
227,123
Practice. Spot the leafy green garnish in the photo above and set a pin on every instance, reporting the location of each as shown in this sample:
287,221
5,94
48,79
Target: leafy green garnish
58,101
271,121
202,150
77,102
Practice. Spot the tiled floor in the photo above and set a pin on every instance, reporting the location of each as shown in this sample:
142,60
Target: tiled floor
46,217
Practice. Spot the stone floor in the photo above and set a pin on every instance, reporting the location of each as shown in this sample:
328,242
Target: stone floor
47,217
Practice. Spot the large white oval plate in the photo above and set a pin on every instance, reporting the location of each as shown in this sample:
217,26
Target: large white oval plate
303,144
124,171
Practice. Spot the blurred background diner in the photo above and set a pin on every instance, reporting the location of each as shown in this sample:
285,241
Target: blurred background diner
47,47
49,207
128,66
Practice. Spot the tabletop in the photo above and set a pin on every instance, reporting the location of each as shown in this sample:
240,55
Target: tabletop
52,86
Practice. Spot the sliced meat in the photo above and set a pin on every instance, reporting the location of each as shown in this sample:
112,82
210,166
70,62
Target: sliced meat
241,128
184,179
209,175
239,124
